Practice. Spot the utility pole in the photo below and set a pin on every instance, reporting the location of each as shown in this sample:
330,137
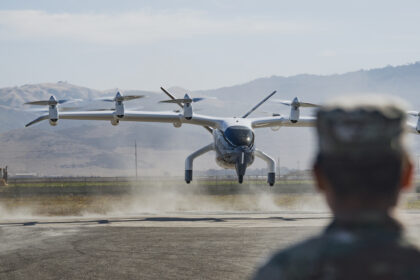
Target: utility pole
298,170
135,156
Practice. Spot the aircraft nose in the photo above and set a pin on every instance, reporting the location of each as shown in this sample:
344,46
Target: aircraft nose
242,149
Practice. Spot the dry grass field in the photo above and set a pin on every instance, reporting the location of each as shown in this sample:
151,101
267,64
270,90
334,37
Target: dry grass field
78,198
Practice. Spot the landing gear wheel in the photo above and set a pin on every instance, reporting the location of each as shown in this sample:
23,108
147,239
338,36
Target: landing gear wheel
188,176
271,178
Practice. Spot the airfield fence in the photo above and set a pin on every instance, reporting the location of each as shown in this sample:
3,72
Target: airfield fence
213,180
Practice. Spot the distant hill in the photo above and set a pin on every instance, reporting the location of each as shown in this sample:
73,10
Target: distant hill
97,148
16,96
402,81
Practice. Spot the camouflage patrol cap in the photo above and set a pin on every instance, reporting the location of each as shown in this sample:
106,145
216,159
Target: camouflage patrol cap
364,127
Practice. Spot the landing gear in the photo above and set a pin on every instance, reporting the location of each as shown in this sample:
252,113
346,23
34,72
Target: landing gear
190,159
240,166
271,178
188,176
271,165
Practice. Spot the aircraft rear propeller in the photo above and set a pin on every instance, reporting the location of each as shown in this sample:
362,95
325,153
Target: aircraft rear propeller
185,103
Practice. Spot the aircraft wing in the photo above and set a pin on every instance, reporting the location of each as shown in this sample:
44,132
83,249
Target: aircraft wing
136,116
282,121
303,122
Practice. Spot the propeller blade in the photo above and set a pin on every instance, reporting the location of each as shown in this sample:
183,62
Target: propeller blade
259,104
180,101
297,104
209,129
52,101
39,119
40,103
61,101
308,105
131,97
171,101
197,99
170,96
106,99
177,100
120,98
284,102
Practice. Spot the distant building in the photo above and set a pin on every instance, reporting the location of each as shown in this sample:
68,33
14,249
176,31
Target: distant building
25,175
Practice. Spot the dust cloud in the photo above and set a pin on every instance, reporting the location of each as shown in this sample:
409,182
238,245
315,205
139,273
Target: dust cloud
16,212
161,198
165,196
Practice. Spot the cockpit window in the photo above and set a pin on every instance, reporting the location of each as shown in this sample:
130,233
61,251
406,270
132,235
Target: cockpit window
239,136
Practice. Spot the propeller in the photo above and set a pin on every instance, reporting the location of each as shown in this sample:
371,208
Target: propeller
180,104
120,97
296,103
52,101
185,100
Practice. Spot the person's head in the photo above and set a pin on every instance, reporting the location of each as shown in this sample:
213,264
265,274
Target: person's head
362,163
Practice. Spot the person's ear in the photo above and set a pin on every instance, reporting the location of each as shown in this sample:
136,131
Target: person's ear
407,175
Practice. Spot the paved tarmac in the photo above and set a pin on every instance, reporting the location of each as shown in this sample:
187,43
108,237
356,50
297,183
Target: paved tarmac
190,245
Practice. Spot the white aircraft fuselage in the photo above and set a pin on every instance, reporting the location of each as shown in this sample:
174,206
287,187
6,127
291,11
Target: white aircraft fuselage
233,138
234,145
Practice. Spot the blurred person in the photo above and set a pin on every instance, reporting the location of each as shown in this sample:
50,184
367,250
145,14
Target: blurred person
361,167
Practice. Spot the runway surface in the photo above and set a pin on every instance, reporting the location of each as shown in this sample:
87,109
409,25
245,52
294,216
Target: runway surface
187,245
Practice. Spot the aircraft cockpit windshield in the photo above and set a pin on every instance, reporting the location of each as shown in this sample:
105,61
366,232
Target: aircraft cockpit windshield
239,136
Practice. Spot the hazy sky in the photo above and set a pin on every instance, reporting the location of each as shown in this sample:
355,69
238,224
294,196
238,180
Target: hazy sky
199,44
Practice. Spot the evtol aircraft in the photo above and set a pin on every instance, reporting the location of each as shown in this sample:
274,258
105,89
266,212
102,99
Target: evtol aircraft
233,138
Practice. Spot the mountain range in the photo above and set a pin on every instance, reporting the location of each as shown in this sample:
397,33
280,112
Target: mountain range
97,148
